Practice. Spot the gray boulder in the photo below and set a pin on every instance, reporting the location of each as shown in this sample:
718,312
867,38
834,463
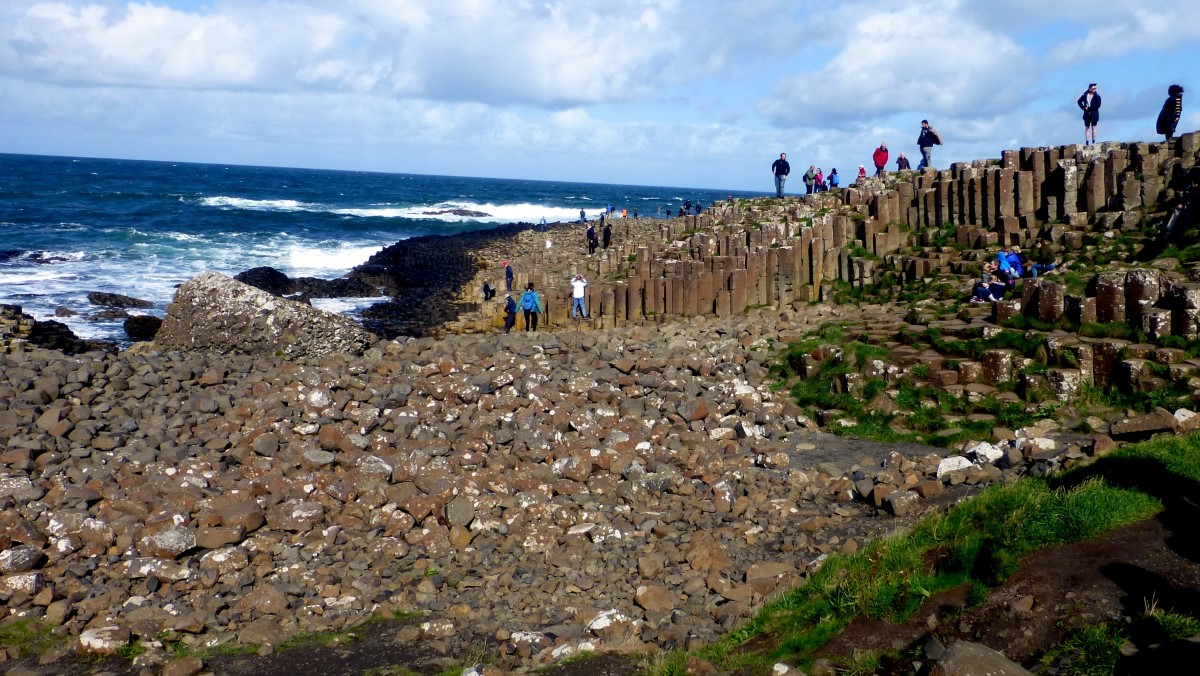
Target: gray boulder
215,313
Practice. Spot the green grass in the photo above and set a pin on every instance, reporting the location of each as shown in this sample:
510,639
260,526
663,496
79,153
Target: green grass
979,544
26,637
1096,650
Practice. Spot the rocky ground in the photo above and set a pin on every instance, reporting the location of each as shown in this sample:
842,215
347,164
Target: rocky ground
531,496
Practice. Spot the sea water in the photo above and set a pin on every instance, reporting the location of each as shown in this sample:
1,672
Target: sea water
70,226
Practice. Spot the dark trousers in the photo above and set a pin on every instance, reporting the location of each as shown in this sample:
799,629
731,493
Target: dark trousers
530,320
509,320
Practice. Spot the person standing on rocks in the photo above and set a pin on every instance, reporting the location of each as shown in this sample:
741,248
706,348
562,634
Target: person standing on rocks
510,312
902,163
531,305
1089,103
508,277
607,234
1168,117
880,157
591,239
926,141
833,178
810,179
781,169
578,286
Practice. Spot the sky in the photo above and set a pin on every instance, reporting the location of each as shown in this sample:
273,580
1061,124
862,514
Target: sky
681,93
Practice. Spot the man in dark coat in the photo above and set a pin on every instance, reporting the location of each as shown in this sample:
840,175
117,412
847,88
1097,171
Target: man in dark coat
1089,103
781,169
1172,109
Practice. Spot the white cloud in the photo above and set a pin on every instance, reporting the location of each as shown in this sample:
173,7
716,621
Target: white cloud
923,57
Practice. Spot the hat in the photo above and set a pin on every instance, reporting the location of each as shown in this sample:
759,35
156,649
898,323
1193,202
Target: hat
505,264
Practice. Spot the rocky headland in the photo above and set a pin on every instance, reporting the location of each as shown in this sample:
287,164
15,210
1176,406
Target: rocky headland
639,481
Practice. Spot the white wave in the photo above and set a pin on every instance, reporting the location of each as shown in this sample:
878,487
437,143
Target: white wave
474,212
308,260
345,306
225,202
37,275
184,237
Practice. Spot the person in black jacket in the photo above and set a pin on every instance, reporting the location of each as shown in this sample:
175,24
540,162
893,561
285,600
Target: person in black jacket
1089,103
781,169
1172,109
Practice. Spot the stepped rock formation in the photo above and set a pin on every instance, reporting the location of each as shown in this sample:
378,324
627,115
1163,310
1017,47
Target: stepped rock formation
212,312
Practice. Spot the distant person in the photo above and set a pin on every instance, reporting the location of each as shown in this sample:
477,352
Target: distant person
508,277
531,305
819,181
1089,103
862,172
682,213
810,179
880,158
607,233
488,292
578,286
729,199
926,141
902,163
510,312
624,213
833,178
543,224
1043,260
582,216
780,168
591,239
602,220
1172,109
635,213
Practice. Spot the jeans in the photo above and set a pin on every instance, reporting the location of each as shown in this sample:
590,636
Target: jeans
530,320
577,304
1040,268
926,157
779,179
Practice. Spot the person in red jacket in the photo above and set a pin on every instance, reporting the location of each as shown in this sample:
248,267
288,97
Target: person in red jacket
880,157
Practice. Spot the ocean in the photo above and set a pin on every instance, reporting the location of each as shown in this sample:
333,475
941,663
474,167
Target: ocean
70,226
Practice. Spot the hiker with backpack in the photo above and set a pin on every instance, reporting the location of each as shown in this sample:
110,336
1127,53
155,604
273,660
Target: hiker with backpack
531,305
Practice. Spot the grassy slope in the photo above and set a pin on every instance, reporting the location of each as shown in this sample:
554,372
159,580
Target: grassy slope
978,543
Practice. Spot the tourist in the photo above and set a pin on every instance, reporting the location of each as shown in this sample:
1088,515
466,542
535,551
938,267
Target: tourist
508,277
880,158
1089,103
488,291
990,288
810,178
635,213
608,232
818,181
591,239
862,172
531,305
780,168
1168,117
510,312
926,141
582,216
902,163
578,285
833,178
543,224
1043,260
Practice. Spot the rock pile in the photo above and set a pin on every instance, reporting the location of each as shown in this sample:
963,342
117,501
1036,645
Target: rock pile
214,312
550,493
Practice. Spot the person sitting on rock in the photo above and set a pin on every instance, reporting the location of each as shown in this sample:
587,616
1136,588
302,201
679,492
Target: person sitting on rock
488,291
990,288
1043,260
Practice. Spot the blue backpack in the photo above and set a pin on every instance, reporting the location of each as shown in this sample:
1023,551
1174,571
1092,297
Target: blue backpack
528,300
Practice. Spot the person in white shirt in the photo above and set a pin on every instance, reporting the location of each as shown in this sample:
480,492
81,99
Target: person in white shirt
577,300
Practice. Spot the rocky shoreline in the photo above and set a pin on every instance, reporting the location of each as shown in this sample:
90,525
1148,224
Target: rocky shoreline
638,489
263,469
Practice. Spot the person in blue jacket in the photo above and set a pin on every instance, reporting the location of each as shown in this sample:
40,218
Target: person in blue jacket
531,306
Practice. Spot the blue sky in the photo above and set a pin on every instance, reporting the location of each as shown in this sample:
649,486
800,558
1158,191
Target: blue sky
695,93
